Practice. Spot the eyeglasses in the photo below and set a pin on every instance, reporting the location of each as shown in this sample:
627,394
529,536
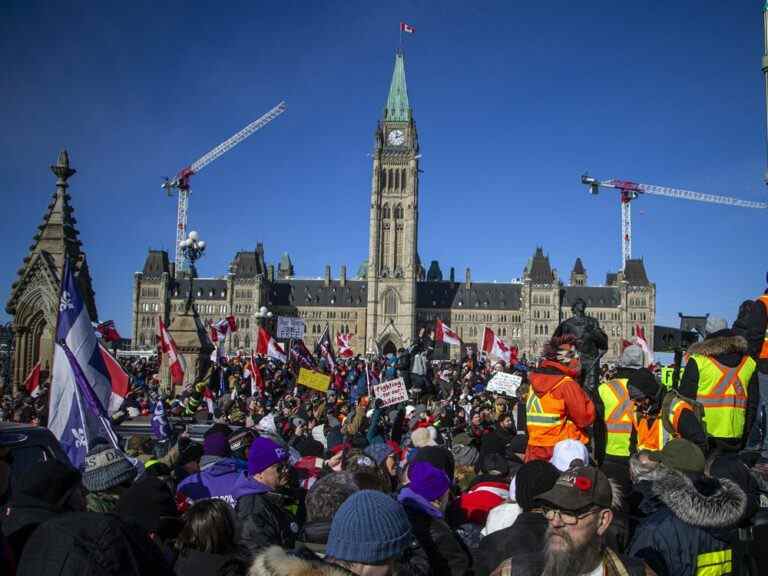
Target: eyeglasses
567,517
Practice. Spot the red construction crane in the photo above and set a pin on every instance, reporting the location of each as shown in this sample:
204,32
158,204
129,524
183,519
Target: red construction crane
629,191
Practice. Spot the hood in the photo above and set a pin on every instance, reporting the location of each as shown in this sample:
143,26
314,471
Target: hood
245,485
721,506
224,466
275,561
547,375
720,345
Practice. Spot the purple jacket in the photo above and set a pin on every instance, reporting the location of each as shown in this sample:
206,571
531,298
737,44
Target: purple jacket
224,479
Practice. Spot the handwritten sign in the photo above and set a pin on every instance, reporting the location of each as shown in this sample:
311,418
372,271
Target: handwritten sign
503,383
391,392
315,380
289,327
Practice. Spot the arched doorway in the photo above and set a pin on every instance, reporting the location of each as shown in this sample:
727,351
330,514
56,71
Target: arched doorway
389,347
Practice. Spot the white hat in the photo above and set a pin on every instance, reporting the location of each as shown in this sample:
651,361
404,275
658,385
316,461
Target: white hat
566,451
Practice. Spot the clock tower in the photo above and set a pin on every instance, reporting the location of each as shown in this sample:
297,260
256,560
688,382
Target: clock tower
392,256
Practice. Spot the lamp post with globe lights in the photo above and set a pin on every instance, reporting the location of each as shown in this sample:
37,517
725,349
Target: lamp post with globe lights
193,249
262,316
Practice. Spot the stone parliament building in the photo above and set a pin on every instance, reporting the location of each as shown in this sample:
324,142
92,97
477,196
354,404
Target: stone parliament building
392,296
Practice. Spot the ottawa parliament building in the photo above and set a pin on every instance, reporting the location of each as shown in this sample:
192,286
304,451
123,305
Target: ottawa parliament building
392,295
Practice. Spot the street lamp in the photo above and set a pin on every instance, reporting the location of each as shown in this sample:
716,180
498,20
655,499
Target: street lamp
262,316
193,249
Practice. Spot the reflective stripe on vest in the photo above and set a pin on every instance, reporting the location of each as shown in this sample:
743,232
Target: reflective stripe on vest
545,418
764,349
723,393
676,410
718,563
653,438
618,416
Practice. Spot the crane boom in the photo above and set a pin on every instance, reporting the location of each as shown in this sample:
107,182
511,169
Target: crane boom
630,191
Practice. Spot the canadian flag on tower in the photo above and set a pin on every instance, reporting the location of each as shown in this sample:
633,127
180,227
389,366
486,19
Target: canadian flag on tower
175,360
343,345
495,346
268,346
443,333
407,28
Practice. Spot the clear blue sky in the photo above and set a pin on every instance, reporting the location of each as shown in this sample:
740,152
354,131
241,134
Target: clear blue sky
513,101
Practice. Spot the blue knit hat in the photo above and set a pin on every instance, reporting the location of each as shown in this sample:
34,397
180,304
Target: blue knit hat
263,453
379,452
427,480
370,528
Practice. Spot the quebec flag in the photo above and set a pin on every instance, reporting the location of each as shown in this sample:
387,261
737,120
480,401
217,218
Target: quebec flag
80,384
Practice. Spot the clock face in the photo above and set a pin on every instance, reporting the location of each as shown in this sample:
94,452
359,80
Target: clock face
396,137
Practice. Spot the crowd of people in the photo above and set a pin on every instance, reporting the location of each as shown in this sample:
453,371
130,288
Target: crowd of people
629,479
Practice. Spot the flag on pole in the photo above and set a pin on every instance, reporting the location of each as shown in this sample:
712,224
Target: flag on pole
108,331
407,28
302,356
253,371
268,346
643,343
117,376
495,346
443,333
32,383
324,349
176,361
343,345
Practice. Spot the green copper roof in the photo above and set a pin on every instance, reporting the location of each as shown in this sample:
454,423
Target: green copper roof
398,108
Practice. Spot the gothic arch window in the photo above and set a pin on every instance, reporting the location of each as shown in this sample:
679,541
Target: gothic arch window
385,211
402,177
398,212
236,340
397,178
390,303
247,341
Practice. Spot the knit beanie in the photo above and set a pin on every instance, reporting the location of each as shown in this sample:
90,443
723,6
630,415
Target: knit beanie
105,468
263,453
532,479
428,481
217,444
379,452
632,357
369,528
150,504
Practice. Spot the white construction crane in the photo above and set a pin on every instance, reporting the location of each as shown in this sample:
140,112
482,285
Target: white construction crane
181,181
630,191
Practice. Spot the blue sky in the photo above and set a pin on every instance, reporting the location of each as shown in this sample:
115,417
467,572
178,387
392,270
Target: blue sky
513,101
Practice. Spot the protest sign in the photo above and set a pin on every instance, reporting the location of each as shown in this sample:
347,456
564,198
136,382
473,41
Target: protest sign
290,328
315,380
503,383
391,392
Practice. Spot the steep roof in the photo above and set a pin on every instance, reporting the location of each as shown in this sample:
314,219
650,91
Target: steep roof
578,267
634,273
398,109
248,264
539,269
205,289
156,264
480,295
594,296
294,292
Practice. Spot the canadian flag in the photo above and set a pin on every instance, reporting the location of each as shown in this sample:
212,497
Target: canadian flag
253,372
495,346
343,345
443,333
643,343
175,360
407,28
118,377
269,347
32,383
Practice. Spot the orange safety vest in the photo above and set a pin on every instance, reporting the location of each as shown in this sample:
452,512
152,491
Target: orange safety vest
655,436
546,419
764,349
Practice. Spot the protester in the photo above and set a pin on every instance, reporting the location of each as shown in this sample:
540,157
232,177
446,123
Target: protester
108,473
218,473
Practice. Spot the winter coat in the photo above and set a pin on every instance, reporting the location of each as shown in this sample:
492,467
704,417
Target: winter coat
686,518
274,561
263,518
197,563
751,324
524,536
103,501
729,351
444,548
613,565
216,481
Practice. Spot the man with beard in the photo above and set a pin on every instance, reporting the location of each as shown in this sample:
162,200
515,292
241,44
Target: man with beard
579,511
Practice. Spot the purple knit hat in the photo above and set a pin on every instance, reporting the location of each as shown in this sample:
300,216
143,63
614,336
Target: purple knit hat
427,480
263,454
216,444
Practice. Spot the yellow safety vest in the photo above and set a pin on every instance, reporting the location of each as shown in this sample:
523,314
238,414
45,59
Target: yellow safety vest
666,376
723,393
718,563
618,416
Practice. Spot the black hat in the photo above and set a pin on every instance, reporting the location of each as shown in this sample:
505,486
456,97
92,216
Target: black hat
150,504
579,488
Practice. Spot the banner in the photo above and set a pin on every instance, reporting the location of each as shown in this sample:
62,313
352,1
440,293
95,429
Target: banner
290,328
315,380
391,391
503,383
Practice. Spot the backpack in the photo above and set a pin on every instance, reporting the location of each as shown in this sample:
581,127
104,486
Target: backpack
666,403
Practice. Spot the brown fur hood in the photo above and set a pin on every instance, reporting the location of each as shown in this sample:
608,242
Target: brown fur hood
720,345
275,561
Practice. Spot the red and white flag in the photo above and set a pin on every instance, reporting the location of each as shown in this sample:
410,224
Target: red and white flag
268,346
443,333
407,28
176,361
495,346
118,377
220,329
253,372
643,343
32,383
343,346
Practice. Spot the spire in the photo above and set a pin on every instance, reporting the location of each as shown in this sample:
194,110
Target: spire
398,109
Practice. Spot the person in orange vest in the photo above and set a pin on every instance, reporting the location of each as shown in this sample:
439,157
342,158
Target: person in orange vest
722,376
557,408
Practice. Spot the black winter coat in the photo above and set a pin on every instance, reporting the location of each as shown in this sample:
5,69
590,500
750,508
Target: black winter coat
526,535
443,547
264,522
196,563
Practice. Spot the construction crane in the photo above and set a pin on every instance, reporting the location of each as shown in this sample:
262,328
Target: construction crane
181,181
629,191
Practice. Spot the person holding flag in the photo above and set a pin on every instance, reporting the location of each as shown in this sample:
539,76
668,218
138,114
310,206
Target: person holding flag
324,350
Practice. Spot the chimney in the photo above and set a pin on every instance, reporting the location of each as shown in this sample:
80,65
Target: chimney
468,280
271,273
343,276
453,274
327,276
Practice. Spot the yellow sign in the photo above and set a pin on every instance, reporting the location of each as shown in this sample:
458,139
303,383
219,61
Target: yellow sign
315,380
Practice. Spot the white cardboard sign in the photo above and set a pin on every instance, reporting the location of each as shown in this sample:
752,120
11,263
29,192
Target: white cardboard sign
391,391
503,383
289,327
